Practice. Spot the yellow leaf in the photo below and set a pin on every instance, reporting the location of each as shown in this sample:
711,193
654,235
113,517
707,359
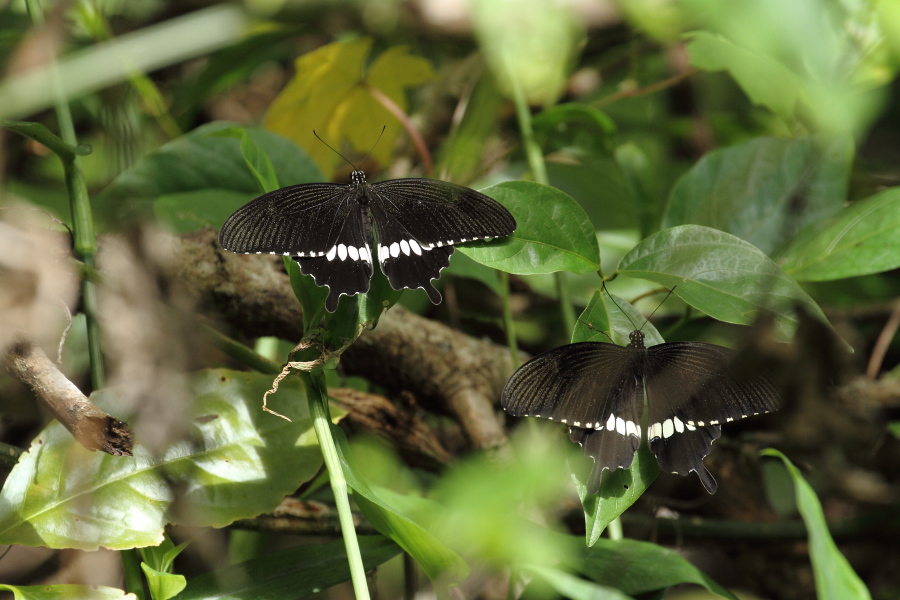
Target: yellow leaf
329,94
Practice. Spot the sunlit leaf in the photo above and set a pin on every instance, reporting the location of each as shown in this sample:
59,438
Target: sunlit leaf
329,94
861,239
553,233
722,275
66,592
835,578
765,190
60,495
293,573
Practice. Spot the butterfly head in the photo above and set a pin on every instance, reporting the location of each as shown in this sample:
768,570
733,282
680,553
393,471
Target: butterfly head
357,178
637,339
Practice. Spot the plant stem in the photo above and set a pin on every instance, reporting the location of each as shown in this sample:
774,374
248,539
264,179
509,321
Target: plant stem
314,382
508,323
539,171
614,529
134,579
240,352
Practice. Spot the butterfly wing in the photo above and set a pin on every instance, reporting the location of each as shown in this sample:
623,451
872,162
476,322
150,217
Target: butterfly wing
418,221
693,388
406,262
346,268
593,388
438,213
300,220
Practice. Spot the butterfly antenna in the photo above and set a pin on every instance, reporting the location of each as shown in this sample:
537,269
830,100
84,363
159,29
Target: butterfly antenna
660,304
336,152
617,306
383,127
592,328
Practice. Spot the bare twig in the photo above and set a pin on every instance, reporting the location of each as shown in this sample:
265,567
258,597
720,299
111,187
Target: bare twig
93,428
302,517
406,122
882,343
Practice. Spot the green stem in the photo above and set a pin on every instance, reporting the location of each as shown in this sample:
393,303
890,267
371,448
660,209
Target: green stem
539,172
614,529
134,576
240,352
314,382
508,323
565,303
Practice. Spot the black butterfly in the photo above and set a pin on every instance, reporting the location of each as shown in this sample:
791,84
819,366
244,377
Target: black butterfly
327,229
597,390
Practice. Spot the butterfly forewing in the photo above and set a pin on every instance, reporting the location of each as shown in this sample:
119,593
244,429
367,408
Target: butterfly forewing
346,268
440,213
300,220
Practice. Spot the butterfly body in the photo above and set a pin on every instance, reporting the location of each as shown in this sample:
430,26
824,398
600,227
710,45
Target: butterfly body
598,389
327,229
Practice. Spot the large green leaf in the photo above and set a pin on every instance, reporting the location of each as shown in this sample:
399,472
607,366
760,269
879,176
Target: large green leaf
330,93
404,519
835,578
553,233
764,190
199,162
567,585
190,211
613,315
60,495
293,573
637,567
722,275
66,592
765,80
863,238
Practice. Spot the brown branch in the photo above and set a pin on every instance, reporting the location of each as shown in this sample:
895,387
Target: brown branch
91,427
303,518
881,344
405,352
650,89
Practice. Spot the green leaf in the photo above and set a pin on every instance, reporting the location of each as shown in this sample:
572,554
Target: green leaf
403,519
190,211
163,585
721,275
65,592
329,94
835,578
198,161
529,42
573,125
894,428
311,296
570,586
640,179
764,190
293,573
861,239
619,489
162,557
257,160
463,266
553,233
616,316
765,80
60,495
638,567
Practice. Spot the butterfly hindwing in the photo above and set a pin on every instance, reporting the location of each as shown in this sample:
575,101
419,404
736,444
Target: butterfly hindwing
405,261
439,213
299,220
346,268
693,388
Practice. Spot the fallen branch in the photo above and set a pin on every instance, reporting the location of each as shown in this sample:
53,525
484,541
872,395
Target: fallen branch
91,427
445,368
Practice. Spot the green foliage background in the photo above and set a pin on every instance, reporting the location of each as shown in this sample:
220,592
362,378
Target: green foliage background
744,154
